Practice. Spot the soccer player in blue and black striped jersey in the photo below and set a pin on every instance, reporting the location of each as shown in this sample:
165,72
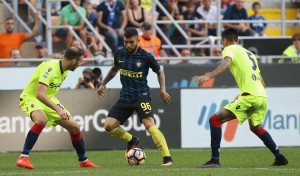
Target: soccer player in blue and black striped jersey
133,63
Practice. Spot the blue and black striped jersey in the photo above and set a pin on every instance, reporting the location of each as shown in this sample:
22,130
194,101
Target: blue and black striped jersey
133,73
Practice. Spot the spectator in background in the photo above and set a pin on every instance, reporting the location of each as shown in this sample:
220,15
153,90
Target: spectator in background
238,12
225,4
151,43
292,50
258,27
95,3
10,39
15,53
216,52
69,16
97,76
146,4
194,30
40,50
86,81
112,20
41,6
136,14
209,12
185,53
93,42
175,11
77,43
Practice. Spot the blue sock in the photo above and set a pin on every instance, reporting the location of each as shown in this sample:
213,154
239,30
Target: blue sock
32,137
29,142
268,141
78,144
215,134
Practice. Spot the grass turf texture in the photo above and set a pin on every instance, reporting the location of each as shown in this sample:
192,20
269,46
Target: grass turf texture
234,161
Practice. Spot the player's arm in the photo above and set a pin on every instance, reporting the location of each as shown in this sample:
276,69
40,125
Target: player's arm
225,64
35,29
163,93
41,95
110,75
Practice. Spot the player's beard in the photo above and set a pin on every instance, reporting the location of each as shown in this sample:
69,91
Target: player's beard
133,50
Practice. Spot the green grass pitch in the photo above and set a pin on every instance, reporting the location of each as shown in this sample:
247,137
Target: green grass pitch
234,161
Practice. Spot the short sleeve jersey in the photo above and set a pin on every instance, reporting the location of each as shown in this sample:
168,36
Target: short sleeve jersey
152,45
49,73
232,13
117,8
245,70
133,73
71,15
10,41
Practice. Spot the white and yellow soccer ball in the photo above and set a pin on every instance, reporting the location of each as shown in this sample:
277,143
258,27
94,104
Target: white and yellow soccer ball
136,157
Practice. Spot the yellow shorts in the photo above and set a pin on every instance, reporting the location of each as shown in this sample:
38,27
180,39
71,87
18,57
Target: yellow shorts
249,107
30,104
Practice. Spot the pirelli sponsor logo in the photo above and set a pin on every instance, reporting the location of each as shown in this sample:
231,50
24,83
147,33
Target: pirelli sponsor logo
131,74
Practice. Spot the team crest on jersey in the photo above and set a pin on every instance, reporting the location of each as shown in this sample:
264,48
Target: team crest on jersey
49,69
139,63
46,74
32,105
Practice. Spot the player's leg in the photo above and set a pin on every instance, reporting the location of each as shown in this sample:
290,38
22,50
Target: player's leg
145,113
260,132
72,127
158,139
119,113
234,110
77,141
255,121
215,122
32,109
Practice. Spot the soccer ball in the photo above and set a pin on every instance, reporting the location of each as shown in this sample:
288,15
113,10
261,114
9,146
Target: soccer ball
136,157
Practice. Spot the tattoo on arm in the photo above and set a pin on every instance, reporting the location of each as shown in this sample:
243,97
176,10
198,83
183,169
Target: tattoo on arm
222,67
111,74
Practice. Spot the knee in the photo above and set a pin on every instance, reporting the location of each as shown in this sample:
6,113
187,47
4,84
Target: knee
74,129
214,121
148,122
258,130
108,127
42,121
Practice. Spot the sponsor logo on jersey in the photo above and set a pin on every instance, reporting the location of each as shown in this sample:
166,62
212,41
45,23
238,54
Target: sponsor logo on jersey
131,74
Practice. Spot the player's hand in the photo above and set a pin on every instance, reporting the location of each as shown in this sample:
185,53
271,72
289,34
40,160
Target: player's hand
100,91
64,115
166,98
201,79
